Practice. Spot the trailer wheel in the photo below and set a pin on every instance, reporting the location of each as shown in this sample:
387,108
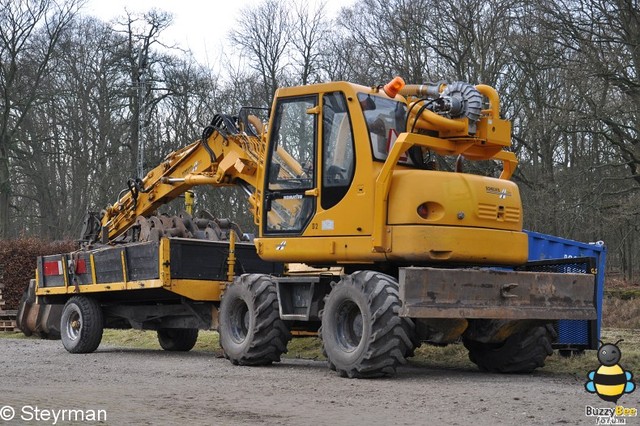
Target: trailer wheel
81,325
521,353
362,334
177,339
251,331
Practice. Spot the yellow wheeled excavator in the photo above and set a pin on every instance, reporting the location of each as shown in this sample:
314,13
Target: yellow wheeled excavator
364,186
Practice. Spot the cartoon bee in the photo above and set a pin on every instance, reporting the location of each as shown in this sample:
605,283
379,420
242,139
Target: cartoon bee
610,381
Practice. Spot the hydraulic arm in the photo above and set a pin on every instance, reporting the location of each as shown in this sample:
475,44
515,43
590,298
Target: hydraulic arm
229,153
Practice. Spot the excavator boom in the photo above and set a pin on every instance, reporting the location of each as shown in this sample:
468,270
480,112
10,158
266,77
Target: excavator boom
229,153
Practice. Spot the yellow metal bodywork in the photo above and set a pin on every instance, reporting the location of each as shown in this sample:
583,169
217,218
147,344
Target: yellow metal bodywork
480,202
202,290
91,288
188,202
407,244
164,263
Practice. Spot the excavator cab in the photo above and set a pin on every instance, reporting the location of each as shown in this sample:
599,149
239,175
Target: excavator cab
311,164
337,188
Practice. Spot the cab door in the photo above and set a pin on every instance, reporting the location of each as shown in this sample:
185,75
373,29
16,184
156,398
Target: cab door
291,189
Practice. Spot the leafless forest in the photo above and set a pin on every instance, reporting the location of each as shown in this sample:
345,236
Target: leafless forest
73,89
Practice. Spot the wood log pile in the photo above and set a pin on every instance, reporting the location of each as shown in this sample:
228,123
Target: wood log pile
7,318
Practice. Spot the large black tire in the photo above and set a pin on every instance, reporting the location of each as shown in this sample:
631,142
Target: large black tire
521,353
251,331
81,325
362,334
177,339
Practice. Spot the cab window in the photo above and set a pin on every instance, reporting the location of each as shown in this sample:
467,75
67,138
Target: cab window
291,169
338,161
385,119
293,145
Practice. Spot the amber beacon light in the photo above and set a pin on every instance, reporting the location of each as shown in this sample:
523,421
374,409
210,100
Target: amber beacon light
394,86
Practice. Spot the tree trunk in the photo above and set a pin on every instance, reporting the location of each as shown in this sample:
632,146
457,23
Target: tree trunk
5,190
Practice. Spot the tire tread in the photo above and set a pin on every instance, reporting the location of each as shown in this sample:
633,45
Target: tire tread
92,326
270,333
521,353
177,339
392,338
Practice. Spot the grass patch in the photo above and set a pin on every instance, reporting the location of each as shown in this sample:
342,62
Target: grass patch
455,356
581,364
12,335
630,347
138,339
305,348
621,312
623,293
208,341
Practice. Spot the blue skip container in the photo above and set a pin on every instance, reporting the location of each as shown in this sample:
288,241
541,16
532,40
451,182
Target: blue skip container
573,256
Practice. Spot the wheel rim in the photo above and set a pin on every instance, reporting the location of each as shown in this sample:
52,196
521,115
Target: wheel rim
239,321
74,324
349,326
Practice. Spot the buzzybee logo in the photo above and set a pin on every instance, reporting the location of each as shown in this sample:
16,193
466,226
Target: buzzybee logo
610,381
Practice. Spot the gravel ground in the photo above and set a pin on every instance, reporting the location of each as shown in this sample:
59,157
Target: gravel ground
147,387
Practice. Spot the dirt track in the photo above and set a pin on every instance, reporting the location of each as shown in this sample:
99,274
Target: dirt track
155,387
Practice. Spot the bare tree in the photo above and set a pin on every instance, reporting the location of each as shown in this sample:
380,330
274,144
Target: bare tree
310,36
64,157
605,36
471,39
602,41
142,36
264,34
20,21
388,38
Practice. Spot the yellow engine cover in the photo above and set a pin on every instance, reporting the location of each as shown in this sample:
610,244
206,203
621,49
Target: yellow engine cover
455,217
454,199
